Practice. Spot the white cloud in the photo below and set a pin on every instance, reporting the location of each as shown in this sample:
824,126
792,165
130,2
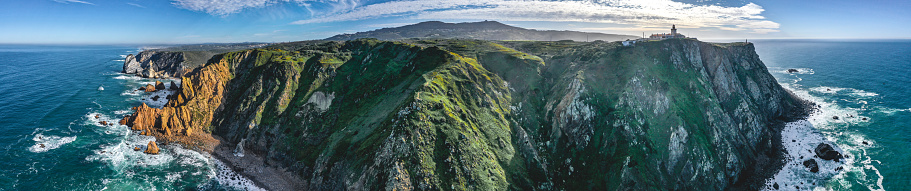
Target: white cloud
73,1
136,5
227,7
639,13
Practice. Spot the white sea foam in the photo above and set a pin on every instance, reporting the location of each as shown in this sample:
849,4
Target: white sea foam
227,177
128,77
801,137
118,60
45,143
123,56
848,91
785,70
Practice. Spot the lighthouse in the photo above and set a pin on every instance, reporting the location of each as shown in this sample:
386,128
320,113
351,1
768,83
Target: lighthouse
674,30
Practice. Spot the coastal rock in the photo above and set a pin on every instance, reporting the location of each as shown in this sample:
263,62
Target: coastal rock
152,148
431,118
136,148
826,152
155,64
793,70
149,88
174,86
159,85
811,165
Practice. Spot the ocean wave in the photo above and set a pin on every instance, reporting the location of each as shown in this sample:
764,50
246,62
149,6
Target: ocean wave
128,77
227,177
827,125
847,91
123,56
785,70
118,60
45,143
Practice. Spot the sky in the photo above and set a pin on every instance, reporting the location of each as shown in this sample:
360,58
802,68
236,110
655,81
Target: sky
214,21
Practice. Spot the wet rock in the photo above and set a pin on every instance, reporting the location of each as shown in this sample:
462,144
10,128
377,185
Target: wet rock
159,85
42,145
103,122
97,116
775,186
792,70
149,88
152,148
811,165
864,119
174,86
835,117
136,148
826,152
156,98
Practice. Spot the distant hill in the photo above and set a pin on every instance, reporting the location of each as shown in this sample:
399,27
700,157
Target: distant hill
486,30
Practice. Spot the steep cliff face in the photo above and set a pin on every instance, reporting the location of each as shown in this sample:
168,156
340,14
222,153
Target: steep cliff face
154,64
463,114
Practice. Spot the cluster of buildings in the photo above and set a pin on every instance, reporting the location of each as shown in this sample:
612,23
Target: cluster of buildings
663,36
660,36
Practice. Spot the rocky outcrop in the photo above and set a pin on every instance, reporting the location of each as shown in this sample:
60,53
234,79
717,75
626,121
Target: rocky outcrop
458,114
826,152
159,85
174,86
153,64
152,148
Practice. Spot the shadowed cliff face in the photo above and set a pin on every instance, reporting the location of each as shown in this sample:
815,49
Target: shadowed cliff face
465,114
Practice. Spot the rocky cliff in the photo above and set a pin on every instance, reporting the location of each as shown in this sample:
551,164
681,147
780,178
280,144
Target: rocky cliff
468,114
164,64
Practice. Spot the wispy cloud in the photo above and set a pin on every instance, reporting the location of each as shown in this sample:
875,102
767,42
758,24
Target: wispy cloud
638,13
136,5
224,8
73,1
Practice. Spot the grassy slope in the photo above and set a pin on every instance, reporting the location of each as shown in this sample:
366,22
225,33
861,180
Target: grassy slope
470,114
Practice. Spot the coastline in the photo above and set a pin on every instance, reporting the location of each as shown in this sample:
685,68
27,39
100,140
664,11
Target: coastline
254,167
756,176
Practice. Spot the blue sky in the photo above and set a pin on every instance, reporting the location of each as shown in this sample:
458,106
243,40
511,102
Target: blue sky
200,21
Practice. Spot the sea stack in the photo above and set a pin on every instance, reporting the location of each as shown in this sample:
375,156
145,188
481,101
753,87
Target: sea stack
152,148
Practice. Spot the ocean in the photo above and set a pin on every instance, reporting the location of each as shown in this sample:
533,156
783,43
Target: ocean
51,140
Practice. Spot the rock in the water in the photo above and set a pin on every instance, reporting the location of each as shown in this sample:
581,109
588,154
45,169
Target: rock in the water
174,86
152,148
156,98
159,85
792,70
103,122
150,88
811,164
826,152
136,148
835,117
97,116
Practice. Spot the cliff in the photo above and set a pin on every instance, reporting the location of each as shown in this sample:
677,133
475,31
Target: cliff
164,64
470,114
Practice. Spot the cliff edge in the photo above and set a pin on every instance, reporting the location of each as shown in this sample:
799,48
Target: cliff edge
472,114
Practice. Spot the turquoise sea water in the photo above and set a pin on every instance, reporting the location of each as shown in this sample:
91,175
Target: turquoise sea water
50,139
863,79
